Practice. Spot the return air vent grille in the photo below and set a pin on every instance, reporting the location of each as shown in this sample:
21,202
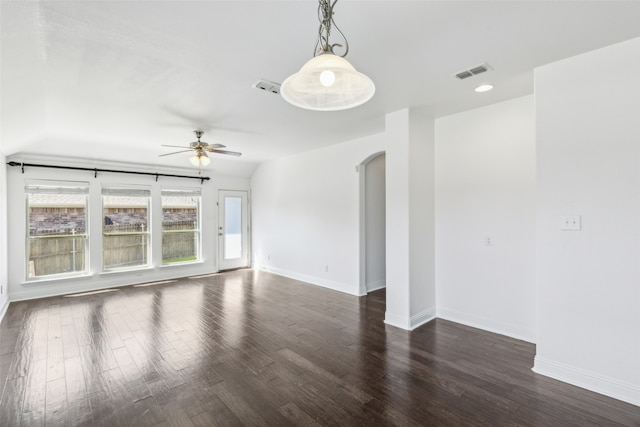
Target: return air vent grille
268,86
464,74
478,69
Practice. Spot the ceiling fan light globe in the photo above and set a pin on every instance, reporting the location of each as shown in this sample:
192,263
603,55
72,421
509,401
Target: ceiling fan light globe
200,159
313,88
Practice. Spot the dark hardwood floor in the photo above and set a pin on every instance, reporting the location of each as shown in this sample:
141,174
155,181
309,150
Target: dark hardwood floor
251,348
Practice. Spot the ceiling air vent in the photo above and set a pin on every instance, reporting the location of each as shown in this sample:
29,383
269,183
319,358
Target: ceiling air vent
478,69
464,74
268,86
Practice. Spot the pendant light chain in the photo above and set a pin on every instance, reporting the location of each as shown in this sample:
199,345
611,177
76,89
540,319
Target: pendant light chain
325,16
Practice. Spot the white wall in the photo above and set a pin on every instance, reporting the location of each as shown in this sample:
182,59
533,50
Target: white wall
398,311
375,243
305,214
588,149
422,301
20,289
485,188
410,268
4,299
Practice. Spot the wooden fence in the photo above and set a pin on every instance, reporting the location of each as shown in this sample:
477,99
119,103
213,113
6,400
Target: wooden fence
123,245
179,240
56,253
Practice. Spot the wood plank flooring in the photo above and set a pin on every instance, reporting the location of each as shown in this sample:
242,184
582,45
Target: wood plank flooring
251,348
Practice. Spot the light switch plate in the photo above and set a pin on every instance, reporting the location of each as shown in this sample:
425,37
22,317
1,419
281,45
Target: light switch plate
571,222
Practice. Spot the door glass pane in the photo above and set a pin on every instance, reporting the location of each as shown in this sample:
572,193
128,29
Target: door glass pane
232,227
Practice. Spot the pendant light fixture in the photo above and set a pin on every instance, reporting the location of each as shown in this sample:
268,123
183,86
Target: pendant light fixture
327,82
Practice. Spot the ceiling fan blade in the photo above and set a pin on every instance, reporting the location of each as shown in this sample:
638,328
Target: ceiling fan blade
210,147
177,146
230,153
175,152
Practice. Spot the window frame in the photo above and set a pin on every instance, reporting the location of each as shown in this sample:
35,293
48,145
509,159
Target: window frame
196,232
56,187
121,190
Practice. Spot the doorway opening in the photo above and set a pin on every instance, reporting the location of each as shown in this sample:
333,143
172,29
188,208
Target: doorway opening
373,224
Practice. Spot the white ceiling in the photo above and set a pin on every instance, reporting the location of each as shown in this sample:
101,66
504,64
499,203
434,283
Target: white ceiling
113,80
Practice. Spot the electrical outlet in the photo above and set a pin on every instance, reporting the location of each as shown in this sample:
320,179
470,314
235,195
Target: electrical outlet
488,241
326,268
572,223
269,257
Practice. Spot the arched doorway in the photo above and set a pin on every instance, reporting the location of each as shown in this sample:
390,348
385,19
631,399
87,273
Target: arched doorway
372,223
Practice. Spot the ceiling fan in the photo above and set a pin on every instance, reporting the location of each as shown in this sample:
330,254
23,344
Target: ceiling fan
200,158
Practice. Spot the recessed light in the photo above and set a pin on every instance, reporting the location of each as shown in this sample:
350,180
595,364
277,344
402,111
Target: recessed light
484,88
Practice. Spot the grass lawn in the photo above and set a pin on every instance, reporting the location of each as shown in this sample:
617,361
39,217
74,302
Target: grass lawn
175,260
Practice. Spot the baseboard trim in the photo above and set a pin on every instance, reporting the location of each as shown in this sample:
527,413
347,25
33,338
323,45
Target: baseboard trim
592,381
36,290
375,286
313,280
491,325
3,309
425,316
401,322
410,323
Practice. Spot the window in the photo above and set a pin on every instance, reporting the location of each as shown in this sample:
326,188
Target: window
56,228
125,228
180,225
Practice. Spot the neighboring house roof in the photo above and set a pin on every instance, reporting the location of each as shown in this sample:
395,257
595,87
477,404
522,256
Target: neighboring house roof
77,200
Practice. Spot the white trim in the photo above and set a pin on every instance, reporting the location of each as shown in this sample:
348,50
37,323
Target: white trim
397,321
592,381
125,270
28,292
410,323
313,280
425,316
361,170
56,278
377,285
3,309
178,264
245,235
362,230
497,326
